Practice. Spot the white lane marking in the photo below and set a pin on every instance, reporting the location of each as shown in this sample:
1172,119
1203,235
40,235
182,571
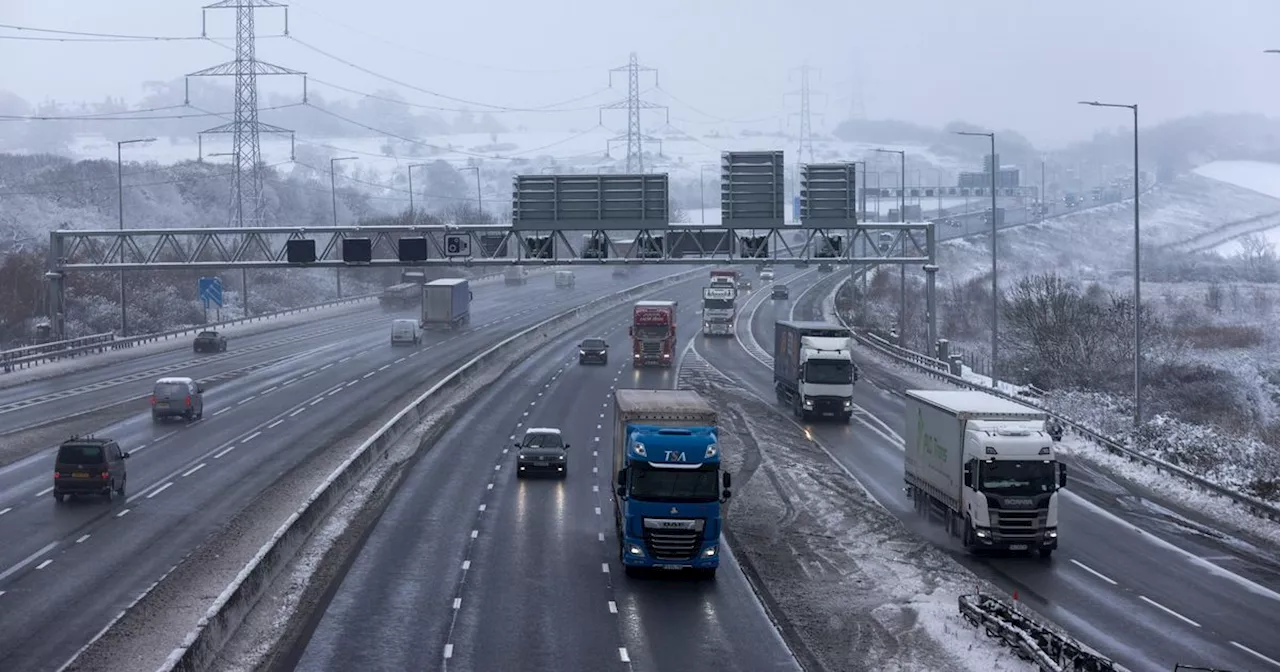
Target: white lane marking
384,367
595,470
194,469
247,400
475,533
497,467
597,438
622,654
457,603
44,492
368,374
297,412
400,360
1094,572
221,411
1238,645
595,488
482,507
344,360
122,513
490,486
448,651
600,536
504,450
249,438
160,489
595,453
613,607
466,564
271,389
28,560
275,424
81,540
604,567
223,452
352,383
1167,610
597,510
44,564
597,428
335,392
315,402
308,374
326,366
289,382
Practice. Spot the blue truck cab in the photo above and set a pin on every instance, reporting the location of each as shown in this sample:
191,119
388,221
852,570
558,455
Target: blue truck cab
670,488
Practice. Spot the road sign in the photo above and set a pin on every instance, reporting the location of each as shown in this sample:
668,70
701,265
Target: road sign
211,291
590,202
828,199
457,244
752,190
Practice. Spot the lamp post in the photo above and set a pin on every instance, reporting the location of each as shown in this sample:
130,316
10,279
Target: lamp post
995,285
244,272
702,193
124,315
479,201
333,193
902,268
1137,262
413,219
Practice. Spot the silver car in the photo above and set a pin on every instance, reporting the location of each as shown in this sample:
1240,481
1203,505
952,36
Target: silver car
177,398
542,450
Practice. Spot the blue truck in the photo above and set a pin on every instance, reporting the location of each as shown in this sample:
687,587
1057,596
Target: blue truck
670,489
446,304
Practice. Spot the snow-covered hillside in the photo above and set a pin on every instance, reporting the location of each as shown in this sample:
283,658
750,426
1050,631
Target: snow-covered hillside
1263,178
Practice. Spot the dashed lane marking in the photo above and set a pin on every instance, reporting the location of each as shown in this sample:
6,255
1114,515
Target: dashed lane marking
122,513
223,452
368,375
604,567
5,510
221,411
44,492
1167,610
297,412
1094,572
160,489
247,399
457,603
448,651
466,565
1238,645
44,564
194,469
83,539
622,654
613,607
316,401
275,424
475,533
249,438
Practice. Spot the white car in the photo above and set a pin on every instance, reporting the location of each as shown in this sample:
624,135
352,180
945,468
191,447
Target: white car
405,332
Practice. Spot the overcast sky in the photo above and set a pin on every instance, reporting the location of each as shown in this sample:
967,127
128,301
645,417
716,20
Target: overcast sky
1000,63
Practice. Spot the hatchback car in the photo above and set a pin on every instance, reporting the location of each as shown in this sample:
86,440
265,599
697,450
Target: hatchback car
780,292
825,268
542,450
177,398
209,341
593,350
89,466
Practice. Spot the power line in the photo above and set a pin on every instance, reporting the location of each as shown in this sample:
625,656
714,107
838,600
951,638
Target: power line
547,109
110,116
633,103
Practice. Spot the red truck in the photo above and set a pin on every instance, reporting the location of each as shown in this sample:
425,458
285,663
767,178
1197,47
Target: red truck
653,333
734,276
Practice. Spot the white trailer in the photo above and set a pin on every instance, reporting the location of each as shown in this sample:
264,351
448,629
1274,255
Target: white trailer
986,466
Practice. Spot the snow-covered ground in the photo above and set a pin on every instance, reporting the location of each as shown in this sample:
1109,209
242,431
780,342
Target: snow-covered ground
1263,178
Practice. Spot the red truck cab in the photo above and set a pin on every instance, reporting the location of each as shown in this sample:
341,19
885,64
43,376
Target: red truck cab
653,333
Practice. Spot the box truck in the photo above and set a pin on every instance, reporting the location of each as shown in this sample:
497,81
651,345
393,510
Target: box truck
446,304
653,333
669,486
986,465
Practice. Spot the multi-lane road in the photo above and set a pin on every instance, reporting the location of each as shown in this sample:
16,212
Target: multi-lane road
1132,577
66,570
471,568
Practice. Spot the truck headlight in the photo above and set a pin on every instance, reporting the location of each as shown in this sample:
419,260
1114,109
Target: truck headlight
808,403
634,549
710,552
582,352
666,355
981,534
848,403
1051,533
636,356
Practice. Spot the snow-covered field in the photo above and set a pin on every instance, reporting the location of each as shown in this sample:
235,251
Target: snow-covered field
1257,176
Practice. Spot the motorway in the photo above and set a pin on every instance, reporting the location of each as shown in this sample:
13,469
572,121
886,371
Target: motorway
470,568
1132,578
66,570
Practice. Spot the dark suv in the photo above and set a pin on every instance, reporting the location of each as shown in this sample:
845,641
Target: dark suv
780,292
89,466
210,341
542,450
594,350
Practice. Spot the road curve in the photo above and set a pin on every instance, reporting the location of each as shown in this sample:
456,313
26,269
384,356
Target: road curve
470,568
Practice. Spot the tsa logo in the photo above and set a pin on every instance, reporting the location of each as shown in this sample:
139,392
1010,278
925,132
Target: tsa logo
676,456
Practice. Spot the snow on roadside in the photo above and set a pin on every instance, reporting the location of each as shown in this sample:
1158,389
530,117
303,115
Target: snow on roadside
92,361
845,579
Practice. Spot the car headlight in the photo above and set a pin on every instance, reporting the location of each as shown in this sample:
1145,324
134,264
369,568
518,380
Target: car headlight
521,456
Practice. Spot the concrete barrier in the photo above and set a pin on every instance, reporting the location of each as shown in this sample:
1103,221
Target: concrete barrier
200,647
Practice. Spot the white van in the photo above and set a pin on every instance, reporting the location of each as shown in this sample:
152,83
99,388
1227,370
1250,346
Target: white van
405,332
565,279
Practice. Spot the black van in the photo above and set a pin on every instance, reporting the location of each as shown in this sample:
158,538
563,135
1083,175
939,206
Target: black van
89,466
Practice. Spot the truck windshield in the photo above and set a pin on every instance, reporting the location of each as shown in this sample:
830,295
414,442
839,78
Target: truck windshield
1018,477
652,332
717,304
828,372
651,484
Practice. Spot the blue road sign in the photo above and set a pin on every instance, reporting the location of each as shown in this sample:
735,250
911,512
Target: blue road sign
211,291
795,209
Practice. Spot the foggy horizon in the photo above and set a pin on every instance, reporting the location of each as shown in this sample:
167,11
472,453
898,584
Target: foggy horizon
1018,67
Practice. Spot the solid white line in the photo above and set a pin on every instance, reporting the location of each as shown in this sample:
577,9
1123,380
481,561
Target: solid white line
1238,645
275,424
622,653
466,564
1094,572
249,438
221,411
193,470
457,603
44,564
122,513
1166,610
160,489
44,492
300,410
81,540
28,560
613,607
448,651
223,452
604,567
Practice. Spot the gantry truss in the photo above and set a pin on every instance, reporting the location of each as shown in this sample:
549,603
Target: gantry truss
252,247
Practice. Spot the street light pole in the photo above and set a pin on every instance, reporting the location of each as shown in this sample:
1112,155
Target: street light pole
413,219
1137,262
702,192
479,201
124,315
902,268
995,284
333,193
